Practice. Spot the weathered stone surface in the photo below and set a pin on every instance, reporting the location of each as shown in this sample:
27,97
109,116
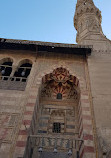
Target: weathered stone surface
25,111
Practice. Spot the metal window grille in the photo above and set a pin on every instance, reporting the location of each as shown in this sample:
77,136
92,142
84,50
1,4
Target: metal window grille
56,127
59,96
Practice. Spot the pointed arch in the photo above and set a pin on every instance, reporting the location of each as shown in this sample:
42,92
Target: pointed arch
60,82
7,59
23,61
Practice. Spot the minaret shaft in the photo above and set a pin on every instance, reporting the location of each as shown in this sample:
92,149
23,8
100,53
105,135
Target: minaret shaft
87,19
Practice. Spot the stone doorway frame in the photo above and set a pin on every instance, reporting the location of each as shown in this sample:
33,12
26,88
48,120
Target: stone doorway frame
85,117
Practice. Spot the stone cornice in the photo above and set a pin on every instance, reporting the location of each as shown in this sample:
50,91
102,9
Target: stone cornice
45,47
15,41
101,53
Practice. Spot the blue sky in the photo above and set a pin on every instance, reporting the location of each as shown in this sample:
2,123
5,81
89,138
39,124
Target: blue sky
45,20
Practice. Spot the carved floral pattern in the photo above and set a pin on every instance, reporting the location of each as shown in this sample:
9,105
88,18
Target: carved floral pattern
60,81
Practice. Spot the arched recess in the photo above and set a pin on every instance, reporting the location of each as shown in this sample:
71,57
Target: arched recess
55,124
23,70
6,67
60,82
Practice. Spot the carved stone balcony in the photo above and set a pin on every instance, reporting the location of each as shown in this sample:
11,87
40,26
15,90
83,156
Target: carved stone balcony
53,147
13,83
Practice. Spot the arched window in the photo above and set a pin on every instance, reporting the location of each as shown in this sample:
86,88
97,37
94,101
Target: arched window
6,68
59,96
23,71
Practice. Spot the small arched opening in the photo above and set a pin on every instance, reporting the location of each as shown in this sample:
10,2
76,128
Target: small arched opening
6,67
59,96
23,70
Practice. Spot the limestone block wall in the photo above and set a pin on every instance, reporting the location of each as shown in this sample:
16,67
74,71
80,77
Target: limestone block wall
99,65
19,106
11,114
77,67
12,107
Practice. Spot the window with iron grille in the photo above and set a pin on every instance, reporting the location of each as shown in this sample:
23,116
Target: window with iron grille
56,127
59,96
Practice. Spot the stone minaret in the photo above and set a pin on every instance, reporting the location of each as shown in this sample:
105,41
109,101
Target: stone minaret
87,21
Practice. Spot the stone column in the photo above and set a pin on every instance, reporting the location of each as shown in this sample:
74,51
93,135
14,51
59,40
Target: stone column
14,68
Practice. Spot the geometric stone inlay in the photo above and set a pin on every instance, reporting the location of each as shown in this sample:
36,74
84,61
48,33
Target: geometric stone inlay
8,126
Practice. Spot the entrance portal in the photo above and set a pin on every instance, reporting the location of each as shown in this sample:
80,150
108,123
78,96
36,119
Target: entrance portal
56,131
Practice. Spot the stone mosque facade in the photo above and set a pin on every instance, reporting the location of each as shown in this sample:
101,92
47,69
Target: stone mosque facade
55,98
